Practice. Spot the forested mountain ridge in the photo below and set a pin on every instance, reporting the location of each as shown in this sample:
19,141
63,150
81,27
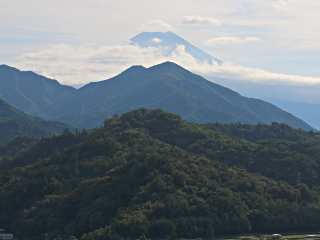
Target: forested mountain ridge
29,91
167,86
150,172
14,122
257,132
170,87
12,147
282,153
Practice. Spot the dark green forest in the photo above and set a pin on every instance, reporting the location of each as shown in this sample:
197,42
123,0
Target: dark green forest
150,173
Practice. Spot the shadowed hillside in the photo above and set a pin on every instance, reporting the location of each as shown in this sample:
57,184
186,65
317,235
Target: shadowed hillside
170,87
14,122
29,91
148,172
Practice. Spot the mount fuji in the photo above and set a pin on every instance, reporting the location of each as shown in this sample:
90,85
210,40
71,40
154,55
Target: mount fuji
169,42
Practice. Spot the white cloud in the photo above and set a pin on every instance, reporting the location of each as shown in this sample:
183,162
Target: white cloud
197,20
86,63
156,26
82,64
156,40
289,29
230,70
281,5
223,41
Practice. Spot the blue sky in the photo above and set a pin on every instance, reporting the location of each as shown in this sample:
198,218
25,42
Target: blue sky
271,48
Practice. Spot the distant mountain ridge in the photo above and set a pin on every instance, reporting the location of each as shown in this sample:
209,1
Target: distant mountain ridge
14,122
307,111
29,91
167,86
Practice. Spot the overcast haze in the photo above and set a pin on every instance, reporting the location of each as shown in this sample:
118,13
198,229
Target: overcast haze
270,49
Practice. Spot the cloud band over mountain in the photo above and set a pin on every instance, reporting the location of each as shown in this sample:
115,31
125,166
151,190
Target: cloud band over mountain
86,63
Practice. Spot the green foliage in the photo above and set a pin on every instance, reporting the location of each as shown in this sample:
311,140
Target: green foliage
291,155
260,131
11,148
210,232
143,237
150,173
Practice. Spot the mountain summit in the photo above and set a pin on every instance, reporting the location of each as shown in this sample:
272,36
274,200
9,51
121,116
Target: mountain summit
169,41
170,87
29,91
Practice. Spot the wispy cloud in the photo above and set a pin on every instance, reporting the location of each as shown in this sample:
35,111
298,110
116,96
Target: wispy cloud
281,5
230,70
156,40
223,41
289,31
82,64
86,63
155,26
197,20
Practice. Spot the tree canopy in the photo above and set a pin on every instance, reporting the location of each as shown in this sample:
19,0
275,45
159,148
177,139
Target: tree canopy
150,174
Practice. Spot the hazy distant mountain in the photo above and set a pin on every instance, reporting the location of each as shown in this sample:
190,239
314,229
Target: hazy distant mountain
29,91
306,111
167,86
170,87
169,41
14,122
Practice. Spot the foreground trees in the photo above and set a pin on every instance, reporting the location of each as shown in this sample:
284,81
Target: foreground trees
151,174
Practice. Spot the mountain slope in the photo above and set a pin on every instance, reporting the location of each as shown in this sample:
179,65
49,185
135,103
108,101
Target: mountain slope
170,87
28,91
306,111
14,122
169,41
127,179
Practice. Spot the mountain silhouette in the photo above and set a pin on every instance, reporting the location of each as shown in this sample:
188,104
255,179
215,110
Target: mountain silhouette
29,91
167,86
169,41
14,122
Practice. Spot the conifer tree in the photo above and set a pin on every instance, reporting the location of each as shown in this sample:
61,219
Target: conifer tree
143,237
210,232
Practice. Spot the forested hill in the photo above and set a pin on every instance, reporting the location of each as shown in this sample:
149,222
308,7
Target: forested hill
148,172
257,132
283,153
14,122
